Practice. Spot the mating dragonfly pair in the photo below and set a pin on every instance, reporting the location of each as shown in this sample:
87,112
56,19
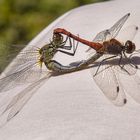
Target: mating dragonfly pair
107,58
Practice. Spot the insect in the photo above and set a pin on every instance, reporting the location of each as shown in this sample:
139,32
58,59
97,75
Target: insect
29,67
32,60
112,60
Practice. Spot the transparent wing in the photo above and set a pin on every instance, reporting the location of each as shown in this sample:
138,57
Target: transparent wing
10,81
127,33
112,32
125,66
132,82
8,53
23,97
131,85
24,58
135,58
24,69
107,80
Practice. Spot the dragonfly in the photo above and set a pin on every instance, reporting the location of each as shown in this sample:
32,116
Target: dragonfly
113,58
34,66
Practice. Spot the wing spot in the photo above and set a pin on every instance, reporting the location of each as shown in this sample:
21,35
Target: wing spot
118,88
137,28
125,101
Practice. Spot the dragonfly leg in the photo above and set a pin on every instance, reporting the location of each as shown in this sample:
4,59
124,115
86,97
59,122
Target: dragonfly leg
125,63
122,66
120,62
130,61
102,63
64,42
64,46
72,45
68,53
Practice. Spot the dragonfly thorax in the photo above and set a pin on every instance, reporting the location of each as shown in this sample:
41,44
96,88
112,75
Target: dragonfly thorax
112,46
46,53
115,47
129,47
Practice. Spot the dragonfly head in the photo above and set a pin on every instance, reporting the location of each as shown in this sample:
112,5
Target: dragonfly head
129,47
57,39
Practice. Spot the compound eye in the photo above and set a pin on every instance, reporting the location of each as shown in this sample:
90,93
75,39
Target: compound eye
129,46
54,36
57,37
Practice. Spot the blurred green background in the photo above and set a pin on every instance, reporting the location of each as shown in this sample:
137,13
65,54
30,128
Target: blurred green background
21,20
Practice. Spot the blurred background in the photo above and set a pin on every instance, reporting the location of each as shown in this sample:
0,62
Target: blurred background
21,20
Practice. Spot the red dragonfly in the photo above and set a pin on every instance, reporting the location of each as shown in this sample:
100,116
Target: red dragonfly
98,41
114,61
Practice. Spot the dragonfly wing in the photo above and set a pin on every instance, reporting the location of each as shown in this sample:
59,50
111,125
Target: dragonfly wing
132,86
127,33
20,77
126,66
135,58
107,80
131,79
24,69
22,98
24,58
100,38
112,32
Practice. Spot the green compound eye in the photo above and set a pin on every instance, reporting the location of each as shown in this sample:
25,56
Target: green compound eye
57,39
